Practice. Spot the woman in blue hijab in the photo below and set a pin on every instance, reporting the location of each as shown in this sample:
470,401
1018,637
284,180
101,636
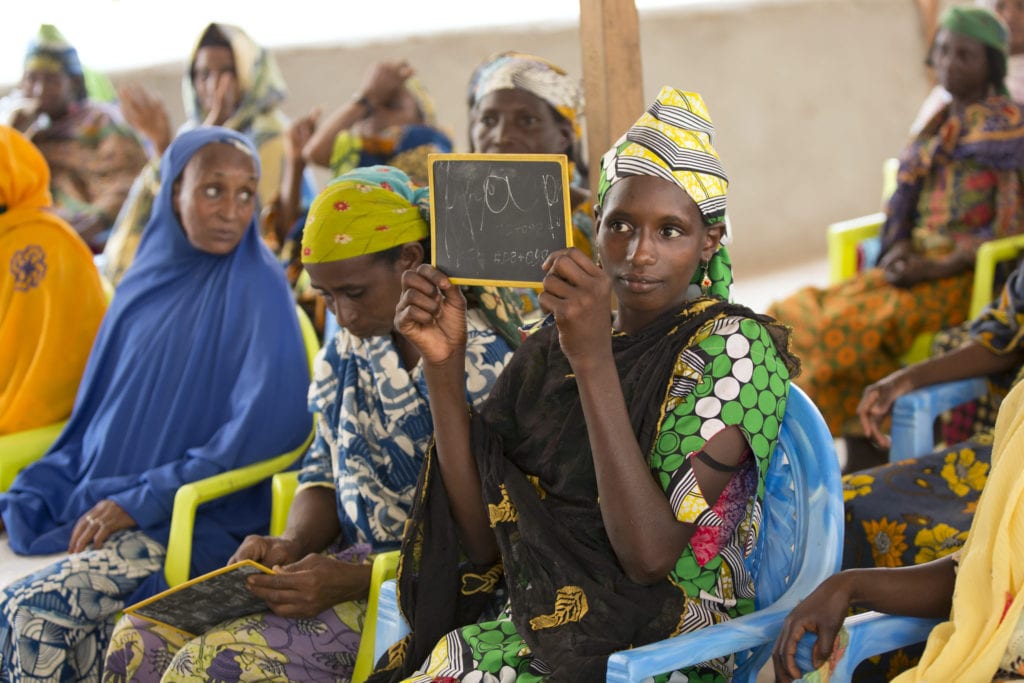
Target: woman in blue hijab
198,368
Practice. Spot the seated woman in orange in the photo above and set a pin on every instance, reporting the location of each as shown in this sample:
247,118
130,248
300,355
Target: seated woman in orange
51,300
959,184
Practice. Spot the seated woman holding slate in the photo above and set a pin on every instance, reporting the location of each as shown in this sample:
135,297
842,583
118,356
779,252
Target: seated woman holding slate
614,476
357,480
198,368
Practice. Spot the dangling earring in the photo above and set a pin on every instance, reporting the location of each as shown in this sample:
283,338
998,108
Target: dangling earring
705,281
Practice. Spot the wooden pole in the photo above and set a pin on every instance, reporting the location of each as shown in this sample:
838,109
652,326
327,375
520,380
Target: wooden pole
612,74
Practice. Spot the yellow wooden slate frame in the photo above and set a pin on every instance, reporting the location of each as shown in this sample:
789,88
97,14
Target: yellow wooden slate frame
563,164
132,609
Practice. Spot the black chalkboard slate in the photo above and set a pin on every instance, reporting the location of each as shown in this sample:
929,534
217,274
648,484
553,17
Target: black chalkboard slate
496,217
200,604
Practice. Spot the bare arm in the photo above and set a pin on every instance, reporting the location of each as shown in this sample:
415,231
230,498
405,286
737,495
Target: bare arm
432,315
970,360
641,526
924,590
379,86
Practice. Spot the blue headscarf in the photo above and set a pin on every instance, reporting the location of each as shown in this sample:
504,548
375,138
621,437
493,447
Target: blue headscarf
199,367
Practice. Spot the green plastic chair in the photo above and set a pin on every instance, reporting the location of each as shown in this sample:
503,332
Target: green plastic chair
20,449
190,496
385,566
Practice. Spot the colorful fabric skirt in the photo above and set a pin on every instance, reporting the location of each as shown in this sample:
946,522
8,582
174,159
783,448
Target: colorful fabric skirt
854,333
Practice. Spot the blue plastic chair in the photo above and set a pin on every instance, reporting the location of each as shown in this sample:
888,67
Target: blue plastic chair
871,634
800,544
914,415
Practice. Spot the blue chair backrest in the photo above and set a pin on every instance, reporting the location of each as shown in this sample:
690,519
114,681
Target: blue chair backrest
801,541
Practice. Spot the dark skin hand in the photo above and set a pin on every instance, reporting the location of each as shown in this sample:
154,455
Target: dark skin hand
431,314
905,268
970,360
924,590
98,524
306,582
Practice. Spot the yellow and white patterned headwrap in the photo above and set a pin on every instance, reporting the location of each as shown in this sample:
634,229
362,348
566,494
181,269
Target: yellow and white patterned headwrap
674,140
365,211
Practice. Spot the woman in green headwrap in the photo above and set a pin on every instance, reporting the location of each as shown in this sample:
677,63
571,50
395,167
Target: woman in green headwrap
93,156
232,82
612,481
357,480
959,185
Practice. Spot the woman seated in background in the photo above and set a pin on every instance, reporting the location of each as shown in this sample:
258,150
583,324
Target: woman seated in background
979,589
1011,12
959,184
93,156
915,510
524,104
357,481
389,120
51,300
662,417
231,82
198,368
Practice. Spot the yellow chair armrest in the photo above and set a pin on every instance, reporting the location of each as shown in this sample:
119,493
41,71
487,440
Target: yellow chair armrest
843,238
385,566
282,487
23,448
309,338
989,254
190,496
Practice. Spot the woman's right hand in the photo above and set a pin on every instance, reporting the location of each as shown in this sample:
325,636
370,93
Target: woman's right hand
146,113
432,314
877,402
822,613
267,550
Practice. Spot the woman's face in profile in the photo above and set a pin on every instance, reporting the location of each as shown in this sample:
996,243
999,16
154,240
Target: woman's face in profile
215,197
517,122
961,65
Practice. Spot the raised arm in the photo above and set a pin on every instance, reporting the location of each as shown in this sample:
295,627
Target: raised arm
644,532
432,315
379,87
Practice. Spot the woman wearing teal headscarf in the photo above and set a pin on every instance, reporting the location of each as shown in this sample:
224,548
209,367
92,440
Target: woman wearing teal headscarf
357,480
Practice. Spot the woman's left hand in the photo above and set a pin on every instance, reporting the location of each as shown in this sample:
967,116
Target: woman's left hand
311,585
578,293
98,524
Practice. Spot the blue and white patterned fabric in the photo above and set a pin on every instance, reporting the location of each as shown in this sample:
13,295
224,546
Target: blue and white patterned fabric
375,426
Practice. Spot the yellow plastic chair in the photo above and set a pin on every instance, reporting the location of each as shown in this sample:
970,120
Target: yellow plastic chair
844,236
20,449
385,566
190,496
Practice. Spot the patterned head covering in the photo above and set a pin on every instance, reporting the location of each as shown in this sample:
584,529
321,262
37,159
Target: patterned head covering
982,25
260,82
535,75
24,175
365,211
674,140
49,50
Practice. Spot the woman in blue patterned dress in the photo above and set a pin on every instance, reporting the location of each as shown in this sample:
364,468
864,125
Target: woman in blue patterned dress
358,478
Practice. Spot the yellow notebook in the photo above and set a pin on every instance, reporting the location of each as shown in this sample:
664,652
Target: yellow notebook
205,601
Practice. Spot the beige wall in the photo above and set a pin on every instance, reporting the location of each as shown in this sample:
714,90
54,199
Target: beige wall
809,96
